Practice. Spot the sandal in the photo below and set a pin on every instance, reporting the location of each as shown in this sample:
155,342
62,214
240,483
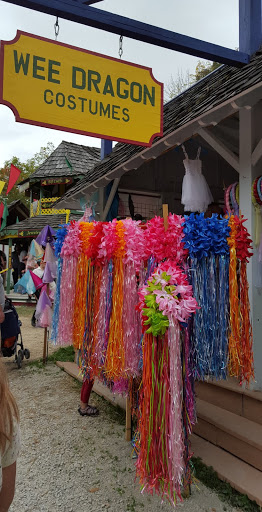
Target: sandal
88,411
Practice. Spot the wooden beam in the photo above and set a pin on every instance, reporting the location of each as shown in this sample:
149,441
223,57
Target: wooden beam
103,20
257,153
220,148
89,2
249,25
165,215
106,148
110,199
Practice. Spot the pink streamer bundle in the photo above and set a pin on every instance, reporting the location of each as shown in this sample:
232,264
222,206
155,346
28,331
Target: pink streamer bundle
131,322
100,341
70,252
155,239
134,256
108,243
135,243
174,235
176,437
161,243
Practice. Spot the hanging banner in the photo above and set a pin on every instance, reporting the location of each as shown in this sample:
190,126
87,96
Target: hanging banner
13,177
52,84
2,184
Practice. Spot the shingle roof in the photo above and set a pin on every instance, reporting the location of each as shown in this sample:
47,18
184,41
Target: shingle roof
81,158
219,86
37,223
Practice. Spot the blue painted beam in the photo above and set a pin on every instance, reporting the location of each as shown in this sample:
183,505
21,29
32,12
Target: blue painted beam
106,148
103,20
89,2
250,13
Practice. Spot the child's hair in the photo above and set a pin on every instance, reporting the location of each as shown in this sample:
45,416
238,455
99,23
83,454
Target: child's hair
8,409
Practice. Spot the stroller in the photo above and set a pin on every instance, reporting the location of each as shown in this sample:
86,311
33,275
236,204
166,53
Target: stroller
11,336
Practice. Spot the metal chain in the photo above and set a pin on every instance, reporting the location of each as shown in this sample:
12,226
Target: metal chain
120,51
56,26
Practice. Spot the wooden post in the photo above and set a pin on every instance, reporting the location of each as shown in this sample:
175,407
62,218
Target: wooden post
165,215
10,242
45,349
128,420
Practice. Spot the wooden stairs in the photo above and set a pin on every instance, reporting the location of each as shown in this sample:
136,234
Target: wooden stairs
21,300
228,434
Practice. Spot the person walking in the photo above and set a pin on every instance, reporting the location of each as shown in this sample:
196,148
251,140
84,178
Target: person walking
15,263
85,409
22,261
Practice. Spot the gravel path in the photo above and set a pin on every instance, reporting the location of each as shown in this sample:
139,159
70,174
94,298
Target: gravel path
33,337
70,463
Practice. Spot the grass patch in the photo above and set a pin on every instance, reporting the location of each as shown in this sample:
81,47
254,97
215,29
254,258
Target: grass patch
37,364
26,311
226,493
63,354
113,412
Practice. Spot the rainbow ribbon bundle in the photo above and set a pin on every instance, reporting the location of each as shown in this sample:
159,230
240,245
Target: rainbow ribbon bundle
166,305
240,352
152,309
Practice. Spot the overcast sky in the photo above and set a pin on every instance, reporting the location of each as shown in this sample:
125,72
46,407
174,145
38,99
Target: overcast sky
209,20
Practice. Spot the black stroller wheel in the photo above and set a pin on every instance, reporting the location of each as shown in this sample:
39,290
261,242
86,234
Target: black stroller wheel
21,352
27,353
19,360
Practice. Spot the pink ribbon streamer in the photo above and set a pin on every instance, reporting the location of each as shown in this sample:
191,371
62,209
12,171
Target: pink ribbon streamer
176,437
131,322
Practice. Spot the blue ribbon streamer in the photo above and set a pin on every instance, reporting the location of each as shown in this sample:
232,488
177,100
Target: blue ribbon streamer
55,319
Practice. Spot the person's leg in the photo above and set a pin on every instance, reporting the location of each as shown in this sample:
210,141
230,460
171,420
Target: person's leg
15,275
86,392
85,409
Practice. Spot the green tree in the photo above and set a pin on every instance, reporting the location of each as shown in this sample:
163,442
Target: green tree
26,168
203,68
183,81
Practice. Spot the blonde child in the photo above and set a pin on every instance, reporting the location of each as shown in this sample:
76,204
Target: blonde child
9,441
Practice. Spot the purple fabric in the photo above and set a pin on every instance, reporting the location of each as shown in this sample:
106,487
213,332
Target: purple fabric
48,276
47,234
42,303
49,256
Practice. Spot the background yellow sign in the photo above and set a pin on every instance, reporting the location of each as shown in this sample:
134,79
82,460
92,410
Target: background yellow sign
55,85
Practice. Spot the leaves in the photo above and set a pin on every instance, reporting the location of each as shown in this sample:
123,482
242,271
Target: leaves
167,295
27,168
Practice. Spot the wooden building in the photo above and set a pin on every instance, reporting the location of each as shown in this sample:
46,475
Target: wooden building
64,168
221,113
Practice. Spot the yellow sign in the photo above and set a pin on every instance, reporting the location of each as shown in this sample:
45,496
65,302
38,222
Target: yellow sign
52,84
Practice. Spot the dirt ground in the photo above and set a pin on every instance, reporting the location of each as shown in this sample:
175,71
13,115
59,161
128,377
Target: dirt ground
33,337
70,463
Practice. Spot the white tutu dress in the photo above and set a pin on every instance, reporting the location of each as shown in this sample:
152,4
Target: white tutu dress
196,195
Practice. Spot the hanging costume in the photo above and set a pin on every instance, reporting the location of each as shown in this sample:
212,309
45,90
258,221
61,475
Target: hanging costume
196,195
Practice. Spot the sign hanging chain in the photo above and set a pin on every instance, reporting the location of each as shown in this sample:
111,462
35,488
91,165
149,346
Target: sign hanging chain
56,26
120,51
